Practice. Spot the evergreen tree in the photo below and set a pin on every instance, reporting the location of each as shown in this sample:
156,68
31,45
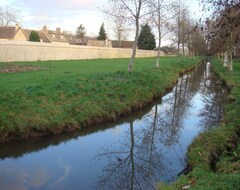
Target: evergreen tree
146,39
34,37
102,33
81,31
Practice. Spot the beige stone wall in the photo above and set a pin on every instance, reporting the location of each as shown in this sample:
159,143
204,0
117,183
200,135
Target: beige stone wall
33,51
99,43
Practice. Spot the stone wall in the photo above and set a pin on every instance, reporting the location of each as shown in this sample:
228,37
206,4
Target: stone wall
35,51
99,43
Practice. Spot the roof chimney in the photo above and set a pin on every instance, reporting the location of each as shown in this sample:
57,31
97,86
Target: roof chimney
45,28
17,27
58,30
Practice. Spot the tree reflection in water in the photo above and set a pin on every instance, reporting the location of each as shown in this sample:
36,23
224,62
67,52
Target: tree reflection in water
141,158
128,167
214,98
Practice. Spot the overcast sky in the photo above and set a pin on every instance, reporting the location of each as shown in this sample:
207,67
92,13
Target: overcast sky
66,14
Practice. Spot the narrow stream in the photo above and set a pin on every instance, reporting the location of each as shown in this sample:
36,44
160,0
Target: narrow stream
134,153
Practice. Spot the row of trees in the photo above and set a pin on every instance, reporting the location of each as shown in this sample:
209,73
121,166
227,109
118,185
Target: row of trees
219,34
185,32
223,29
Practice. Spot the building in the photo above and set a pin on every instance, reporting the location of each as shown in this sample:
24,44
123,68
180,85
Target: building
18,34
42,36
14,33
54,36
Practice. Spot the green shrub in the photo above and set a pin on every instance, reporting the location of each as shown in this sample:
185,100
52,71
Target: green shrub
34,37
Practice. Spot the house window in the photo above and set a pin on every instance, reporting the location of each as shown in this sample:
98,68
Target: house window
53,35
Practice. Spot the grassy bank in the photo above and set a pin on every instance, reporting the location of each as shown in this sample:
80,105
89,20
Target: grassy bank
214,157
54,96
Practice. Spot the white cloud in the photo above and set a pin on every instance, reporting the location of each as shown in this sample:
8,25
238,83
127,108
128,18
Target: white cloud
52,5
66,14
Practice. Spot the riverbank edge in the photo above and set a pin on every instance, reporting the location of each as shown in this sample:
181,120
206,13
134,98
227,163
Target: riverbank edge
33,133
213,157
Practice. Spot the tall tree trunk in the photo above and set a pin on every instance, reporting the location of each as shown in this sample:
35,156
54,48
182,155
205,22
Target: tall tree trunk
158,53
231,53
179,40
179,32
178,50
183,49
130,65
159,45
159,35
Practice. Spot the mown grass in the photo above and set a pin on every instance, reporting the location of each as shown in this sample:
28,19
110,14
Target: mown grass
214,157
65,95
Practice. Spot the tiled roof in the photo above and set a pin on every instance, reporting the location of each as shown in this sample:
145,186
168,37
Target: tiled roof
40,33
26,33
7,32
43,37
55,36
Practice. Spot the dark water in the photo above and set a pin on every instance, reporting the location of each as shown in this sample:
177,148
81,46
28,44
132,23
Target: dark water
134,153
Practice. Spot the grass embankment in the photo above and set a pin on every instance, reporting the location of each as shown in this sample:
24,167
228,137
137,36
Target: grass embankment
67,95
214,157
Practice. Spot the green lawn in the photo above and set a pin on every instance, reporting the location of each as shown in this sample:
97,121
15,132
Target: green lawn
65,95
214,157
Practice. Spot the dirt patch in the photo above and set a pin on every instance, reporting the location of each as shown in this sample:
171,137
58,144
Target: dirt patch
18,68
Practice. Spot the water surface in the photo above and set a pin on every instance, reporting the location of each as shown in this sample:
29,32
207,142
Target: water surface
133,153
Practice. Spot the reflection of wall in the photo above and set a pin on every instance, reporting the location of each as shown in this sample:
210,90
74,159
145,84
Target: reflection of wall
33,51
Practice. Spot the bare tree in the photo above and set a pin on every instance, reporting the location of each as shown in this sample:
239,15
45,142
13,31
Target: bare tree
119,23
182,27
120,30
133,11
8,16
161,20
197,43
182,30
178,25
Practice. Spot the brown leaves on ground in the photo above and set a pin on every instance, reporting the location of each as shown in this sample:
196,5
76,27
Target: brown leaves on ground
11,68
